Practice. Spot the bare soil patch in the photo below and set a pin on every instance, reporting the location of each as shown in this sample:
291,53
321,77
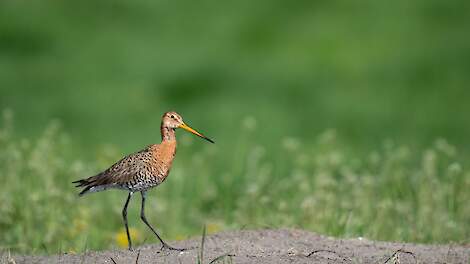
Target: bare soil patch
268,246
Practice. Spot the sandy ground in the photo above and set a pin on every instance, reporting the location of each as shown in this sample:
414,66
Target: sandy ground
269,246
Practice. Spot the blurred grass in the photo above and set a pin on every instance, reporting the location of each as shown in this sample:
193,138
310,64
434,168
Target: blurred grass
372,70
393,193
265,80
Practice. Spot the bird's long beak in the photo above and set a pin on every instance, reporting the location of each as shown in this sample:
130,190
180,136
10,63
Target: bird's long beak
187,128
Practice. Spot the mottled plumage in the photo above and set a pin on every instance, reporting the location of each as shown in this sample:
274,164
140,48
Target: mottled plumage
136,172
142,170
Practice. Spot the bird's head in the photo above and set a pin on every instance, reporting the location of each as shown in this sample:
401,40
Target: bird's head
173,120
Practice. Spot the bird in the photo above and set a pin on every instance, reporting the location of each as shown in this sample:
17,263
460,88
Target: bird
141,171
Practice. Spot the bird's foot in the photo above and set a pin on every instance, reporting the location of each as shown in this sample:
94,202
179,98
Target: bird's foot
168,247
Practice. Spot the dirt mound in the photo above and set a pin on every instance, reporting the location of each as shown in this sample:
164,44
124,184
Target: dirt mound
269,246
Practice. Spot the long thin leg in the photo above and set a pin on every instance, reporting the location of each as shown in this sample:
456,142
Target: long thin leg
142,216
124,216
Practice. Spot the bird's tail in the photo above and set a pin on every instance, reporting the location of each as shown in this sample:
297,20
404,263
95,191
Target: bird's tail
87,183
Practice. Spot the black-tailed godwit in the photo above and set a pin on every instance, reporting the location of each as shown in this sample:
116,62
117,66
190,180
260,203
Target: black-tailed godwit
140,171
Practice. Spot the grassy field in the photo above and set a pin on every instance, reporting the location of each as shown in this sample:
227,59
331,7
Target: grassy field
344,119
393,193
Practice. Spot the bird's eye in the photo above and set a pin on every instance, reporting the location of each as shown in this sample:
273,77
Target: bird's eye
172,116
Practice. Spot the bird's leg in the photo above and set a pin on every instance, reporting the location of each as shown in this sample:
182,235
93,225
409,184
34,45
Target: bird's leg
142,216
124,216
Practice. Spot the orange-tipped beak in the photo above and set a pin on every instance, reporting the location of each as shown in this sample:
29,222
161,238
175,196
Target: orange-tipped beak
187,128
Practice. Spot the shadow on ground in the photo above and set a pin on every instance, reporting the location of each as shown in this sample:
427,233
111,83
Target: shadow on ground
268,246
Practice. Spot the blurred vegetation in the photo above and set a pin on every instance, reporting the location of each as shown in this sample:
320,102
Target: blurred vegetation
393,193
265,79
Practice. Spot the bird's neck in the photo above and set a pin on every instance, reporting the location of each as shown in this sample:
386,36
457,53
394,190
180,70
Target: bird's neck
168,134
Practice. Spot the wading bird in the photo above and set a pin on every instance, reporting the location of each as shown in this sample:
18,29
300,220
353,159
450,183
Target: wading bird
140,171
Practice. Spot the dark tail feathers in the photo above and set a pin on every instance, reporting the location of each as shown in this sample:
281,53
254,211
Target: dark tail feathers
84,183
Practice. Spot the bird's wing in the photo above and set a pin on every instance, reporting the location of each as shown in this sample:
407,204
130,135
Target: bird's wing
124,170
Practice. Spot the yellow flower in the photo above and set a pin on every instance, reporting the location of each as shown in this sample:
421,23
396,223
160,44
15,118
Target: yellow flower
121,237
212,228
180,237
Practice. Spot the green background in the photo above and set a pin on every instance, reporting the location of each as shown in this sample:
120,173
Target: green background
270,74
109,69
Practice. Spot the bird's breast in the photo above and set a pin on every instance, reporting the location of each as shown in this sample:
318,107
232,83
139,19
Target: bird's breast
163,159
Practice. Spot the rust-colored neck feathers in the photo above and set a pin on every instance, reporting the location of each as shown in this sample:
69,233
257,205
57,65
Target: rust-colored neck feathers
168,134
165,151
